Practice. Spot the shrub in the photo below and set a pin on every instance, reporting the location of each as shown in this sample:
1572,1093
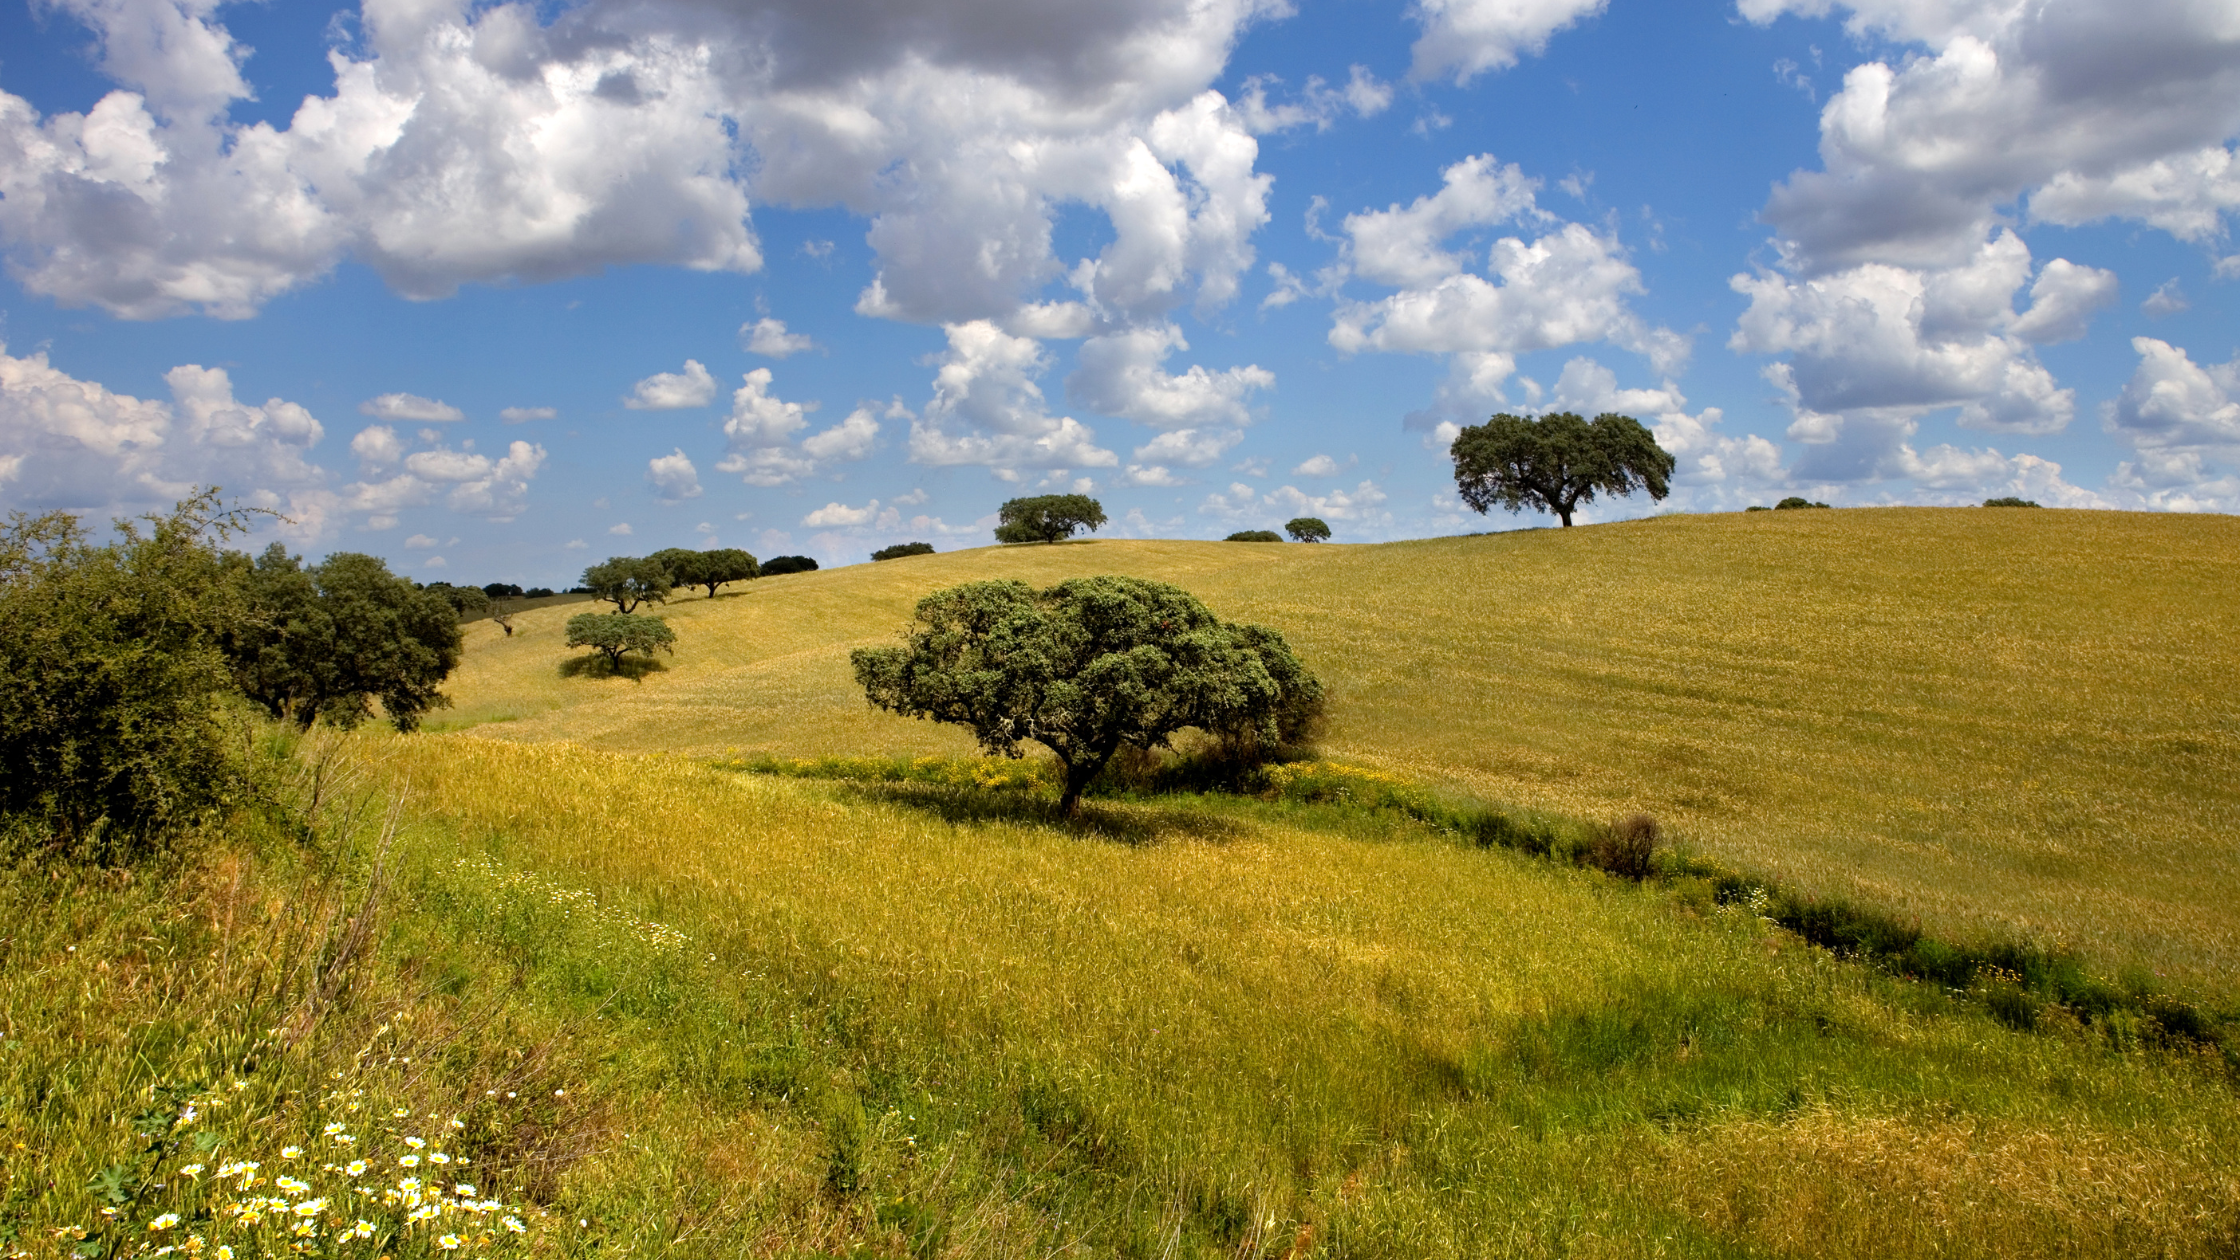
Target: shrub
112,677
615,635
899,550
1626,848
2011,501
1793,503
1254,535
1757,507
537,592
503,590
788,564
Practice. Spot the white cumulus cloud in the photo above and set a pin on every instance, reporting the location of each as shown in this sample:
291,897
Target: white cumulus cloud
988,410
412,408
673,477
673,391
769,338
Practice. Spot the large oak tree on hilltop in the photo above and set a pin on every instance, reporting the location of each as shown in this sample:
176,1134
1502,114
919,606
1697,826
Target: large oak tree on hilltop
1558,462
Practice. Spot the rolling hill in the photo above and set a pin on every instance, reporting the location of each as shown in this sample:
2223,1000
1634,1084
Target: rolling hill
2017,722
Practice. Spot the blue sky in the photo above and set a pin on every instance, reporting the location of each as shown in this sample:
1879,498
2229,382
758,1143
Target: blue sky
496,291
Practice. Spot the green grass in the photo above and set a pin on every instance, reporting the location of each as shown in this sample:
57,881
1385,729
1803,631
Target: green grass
2020,725
748,1014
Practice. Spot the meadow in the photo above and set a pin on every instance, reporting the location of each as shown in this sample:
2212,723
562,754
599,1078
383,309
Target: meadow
666,1006
2021,724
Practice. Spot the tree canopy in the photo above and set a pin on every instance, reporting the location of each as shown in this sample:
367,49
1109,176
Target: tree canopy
780,565
2012,501
1557,463
1254,535
1307,529
899,550
714,568
1047,518
628,581
1086,667
326,641
615,635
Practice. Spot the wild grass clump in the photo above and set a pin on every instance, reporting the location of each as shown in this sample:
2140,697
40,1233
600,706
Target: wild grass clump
1627,848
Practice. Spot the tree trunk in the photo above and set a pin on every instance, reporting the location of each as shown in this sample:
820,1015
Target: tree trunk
1078,777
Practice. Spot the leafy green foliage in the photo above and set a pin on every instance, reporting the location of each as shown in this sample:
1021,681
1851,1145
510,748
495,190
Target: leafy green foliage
1254,535
615,635
628,581
1085,668
1307,529
1796,503
111,676
467,601
789,564
1047,518
713,569
2012,501
1557,463
326,641
899,550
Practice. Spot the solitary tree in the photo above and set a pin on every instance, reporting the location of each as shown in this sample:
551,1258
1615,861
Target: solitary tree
1254,535
1307,529
1047,518
1084,668
615,635
627,581
782,565
327,640
1558,462
712,569
899,550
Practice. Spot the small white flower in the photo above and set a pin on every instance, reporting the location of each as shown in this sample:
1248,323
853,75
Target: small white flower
357,1168
414,1143
163,1222
513,1225
290,1152
409,1161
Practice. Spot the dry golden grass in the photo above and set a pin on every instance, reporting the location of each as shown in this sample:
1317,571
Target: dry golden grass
2026,722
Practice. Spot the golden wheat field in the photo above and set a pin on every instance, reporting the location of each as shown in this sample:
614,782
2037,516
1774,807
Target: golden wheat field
2022,722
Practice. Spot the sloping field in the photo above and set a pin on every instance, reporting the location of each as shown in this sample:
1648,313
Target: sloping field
2020,721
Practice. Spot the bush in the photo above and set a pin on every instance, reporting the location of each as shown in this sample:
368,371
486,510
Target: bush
1626,848
1793,503
789,564
503,590
2011,501
899,550
1254,535
537,592
112,678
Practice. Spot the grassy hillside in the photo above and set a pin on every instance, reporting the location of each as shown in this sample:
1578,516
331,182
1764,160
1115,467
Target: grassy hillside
659,1008
2021,722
